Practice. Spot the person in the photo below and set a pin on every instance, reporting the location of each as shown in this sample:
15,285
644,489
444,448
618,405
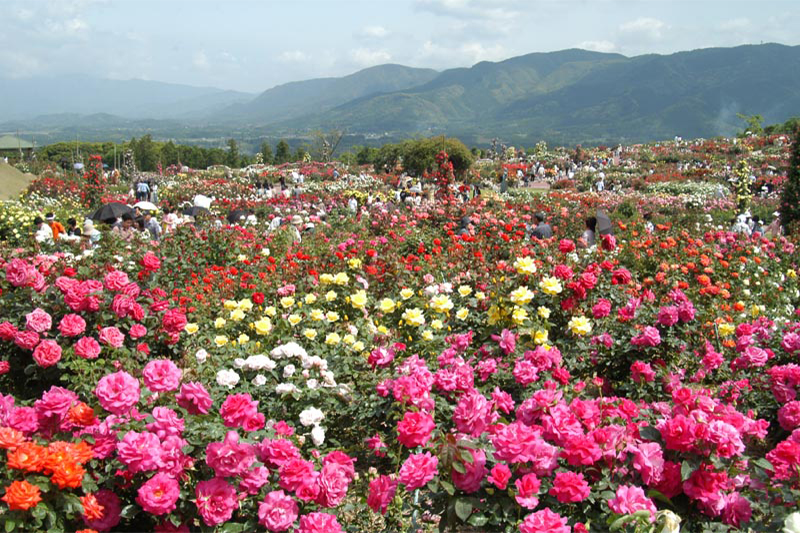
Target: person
757,228
55,226
588,238
152,226
43,233
601,184
542,229
648,224
297,223
154,194
170,221
352,204
142,191
72,228
464,226
125,231
90,234
775,229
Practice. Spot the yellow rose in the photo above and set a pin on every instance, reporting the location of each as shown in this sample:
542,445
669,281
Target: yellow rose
310,334
726,329
220,340
525,265
441,303
191,328
326,279
480,295
287,302
414,317
310,299
332,339
427,335
330,296
263,326
220,323
230,304
354,263
437,324
317,314
243,338
519,315
245,304
462,313
550,285
406,294
271,311
358,346
341,278
540,337
465,290
543,312
791,273
359,299
294,319
237,315
383,330
580,325
348,339
521,295
387,305
332,316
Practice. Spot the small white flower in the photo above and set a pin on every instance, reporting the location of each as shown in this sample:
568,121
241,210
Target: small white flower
227,378
238,363
286,388
288,371
318,435
201,355
311,416
312,384
260,380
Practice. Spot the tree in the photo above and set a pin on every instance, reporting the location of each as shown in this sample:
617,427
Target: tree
753,123
266,153
282,154
366,155
232,157
790,197
301,154
420,156
169,154
145,153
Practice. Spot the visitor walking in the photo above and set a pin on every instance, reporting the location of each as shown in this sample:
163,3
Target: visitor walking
542,229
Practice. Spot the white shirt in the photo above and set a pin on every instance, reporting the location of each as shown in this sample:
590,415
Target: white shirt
45,234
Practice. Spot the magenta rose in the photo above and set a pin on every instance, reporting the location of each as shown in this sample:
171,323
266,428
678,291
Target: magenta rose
137,331
474,472
319,523
140,452
112,511
38,320
116,280
72,325
415,428
161,375
528,491
417,470
159,494
237,410
7,331
216,500
381,492
278,511
789,415
333,481
276,452
55,403
295,473
602,308
87,348
194,398
668,315
500,476
150,262
117,392
229,458
19,272
544,520
47,353
112,336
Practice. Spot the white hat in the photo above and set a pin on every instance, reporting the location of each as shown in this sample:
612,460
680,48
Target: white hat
297,220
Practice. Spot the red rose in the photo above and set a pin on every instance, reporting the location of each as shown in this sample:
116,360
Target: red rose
258,298
150,262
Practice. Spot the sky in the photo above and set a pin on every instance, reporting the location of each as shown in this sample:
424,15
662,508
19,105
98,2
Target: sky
252,45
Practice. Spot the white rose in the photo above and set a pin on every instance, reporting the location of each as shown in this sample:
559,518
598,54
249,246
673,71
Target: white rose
792,523
260,380
288,371
311,416
201,355
285,388
318,435
312,384
227,378
238,362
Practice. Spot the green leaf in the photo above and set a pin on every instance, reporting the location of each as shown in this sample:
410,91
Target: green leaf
764,463
478,520
463,509
447,486
620,522
458,467
650,433
10,525
686,470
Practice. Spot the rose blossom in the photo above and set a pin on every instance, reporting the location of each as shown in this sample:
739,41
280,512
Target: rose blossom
38,320
216,500
229,458
112,336
112,510
630,499
527,491
47,353
277,512
116,280
544,521
569,487
72,325
319,523
415,429
137,331
27,340
159,494
117,392
161,375
87,348
499,476
194,398
417,470
474,472
381,492
238,409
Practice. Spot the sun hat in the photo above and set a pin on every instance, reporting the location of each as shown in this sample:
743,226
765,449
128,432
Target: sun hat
297,220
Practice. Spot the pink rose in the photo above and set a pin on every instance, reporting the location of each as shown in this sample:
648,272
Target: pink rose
381,492
166,423
23,419
602,308
229,458
7,331
319,523
112,511
415,428
569,487
333,481
417,470
216,500
252,481
140,452
72,325
150,262
295,473
278,511
474,471
173,321
544,521
528,491
159,494
473,414
789,415
194,398
566,246
161,375
38,320
27,340
137,331
649,337
276,452
118,392
19,272
630,500
55,403
237,410
112,336
116,280
668,315
87,348
500,476
47,353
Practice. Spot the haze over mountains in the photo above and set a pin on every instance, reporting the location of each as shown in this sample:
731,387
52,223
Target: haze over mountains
566,97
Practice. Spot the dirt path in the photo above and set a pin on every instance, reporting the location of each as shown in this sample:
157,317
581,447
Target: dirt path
12,181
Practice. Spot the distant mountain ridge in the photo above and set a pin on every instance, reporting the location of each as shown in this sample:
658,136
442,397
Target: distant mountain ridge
566,97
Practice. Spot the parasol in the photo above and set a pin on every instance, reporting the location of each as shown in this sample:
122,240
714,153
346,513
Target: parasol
111,211
604,223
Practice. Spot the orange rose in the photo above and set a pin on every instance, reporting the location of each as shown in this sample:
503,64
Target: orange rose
86,531
28,457
82,452
92,510
10,438
81,414
21,495
56,455
68,474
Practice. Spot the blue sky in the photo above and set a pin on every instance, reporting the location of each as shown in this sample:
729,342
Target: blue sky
252,45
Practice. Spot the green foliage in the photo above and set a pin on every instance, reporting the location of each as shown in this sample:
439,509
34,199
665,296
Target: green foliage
266,153
232,157
419,156
145,153
753,123
790,198
366,155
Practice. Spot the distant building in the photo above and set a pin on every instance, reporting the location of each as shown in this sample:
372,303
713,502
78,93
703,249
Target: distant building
10,147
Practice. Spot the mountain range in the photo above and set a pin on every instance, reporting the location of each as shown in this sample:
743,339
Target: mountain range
565,97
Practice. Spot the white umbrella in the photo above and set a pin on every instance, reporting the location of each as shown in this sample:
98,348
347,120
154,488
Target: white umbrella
146,206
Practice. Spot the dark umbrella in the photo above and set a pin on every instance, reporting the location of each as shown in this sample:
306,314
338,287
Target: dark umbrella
111,211
236,215
603,223
195,210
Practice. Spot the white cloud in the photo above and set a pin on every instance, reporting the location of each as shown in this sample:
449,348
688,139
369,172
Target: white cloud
293,56
598,46
200,60
645,26
737,24
376,32
366,57
465,54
